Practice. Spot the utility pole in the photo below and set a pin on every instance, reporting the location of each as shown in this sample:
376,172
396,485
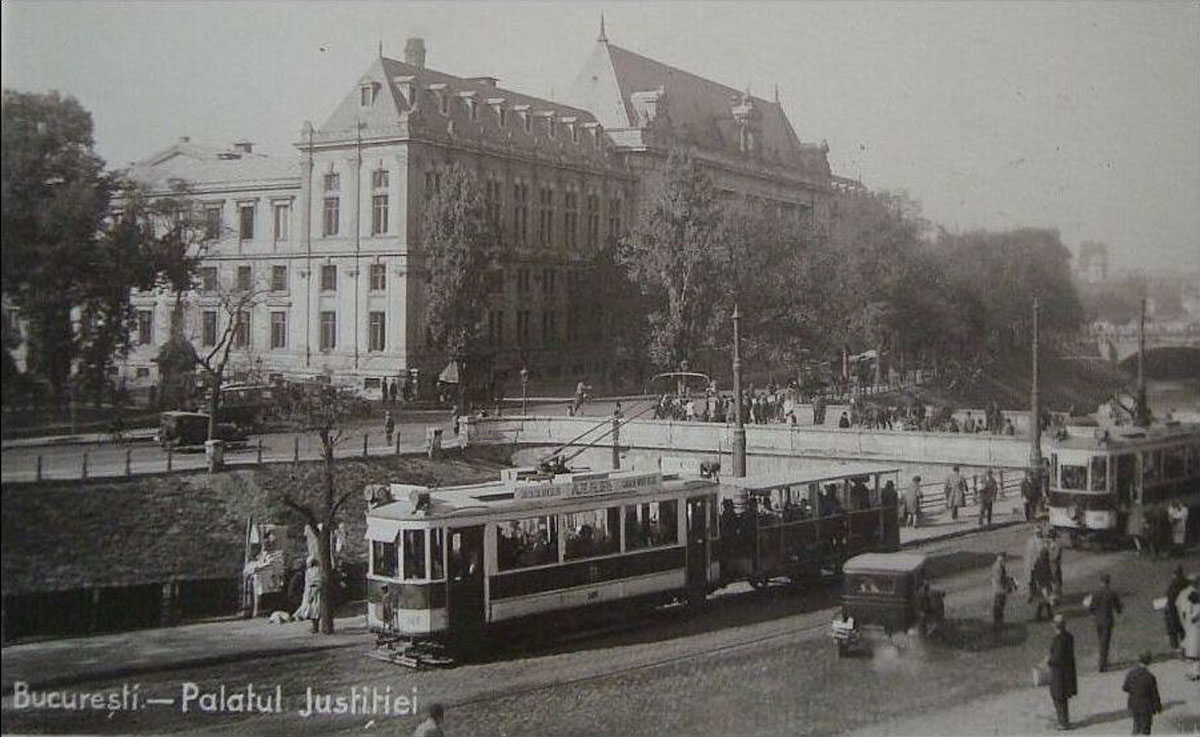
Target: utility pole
1143,412
1035,407
739,429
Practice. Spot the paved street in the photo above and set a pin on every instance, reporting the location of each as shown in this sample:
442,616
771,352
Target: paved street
749,662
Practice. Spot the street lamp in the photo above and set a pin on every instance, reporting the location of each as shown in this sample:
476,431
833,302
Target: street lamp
1035,409
739,429
524,390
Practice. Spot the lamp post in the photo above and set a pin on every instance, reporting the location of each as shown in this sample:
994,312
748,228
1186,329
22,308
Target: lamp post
739,429
1035,407
524,390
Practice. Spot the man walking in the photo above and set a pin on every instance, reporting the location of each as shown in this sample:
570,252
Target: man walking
1142,687
987,497
389,427
954,491
1178,583
1062,672
1002,584
1029,493
912,502
1054,550
1105,605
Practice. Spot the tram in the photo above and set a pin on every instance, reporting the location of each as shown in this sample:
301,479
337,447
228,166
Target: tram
457,564
1097,482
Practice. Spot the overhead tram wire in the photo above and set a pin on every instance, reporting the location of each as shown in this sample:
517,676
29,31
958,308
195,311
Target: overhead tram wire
592,443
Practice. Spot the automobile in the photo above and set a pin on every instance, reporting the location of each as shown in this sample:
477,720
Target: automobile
888,593
190,429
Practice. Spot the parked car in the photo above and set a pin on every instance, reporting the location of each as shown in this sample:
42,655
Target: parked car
885,592
189,429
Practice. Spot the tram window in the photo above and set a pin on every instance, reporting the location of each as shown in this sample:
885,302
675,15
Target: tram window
651,525
383,558
712,517
437,556
1074,477
414,553
1174,462
522,543
592,533
1099,473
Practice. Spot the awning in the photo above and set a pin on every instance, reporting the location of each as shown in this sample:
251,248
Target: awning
382,530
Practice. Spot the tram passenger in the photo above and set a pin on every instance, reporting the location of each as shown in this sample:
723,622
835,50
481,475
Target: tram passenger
860,497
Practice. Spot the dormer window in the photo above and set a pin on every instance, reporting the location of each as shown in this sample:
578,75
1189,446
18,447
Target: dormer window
574,129
471,103
498,106
503,113
367,93
526,118
443,96
550,127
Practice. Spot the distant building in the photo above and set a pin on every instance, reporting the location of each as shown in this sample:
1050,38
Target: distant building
333,237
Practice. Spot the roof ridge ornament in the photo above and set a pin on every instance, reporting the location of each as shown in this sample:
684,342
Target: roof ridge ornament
603,38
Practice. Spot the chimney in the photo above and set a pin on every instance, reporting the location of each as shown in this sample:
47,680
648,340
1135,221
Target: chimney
414,52
244,147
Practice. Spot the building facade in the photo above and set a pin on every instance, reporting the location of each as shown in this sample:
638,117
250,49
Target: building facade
330,240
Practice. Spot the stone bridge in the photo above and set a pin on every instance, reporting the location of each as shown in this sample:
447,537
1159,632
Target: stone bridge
1117,344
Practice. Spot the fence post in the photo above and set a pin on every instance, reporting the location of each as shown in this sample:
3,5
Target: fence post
365,436
39,468
128,463
397,443
296,449
85,459
170,457
260,451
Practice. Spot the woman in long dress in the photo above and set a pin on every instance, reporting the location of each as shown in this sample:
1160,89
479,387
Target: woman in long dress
314,594
1188,605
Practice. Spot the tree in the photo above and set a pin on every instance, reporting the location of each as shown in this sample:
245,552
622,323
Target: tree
54,200
323,411
234,307
458,241
676,253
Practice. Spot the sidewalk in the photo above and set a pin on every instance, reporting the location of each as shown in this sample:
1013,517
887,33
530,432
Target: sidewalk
1098,709
939,526
50,663
88,438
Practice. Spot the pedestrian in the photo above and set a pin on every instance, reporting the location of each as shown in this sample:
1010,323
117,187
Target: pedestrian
1142,687
1104,606
389,427
1054,550
1009,430
432,726
1178,515
912,502
844,421
394,391
1043,586
987,497
314,594
1061,664
955,490
1178,583
1029,493
1188,604
1033,548
1002,585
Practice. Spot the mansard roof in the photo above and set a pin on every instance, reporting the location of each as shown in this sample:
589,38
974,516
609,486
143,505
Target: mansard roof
208,167
691,108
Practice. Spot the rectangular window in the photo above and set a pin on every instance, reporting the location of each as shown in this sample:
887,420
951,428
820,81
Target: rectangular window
378,277
496,327
433,182
279,279
145,324
329,277
383,559
549,328
492,200
520,213
208,278
545,216
328,331
283,215
241,330
414,554
278,330
333,182
208,328
329,224
651,525
212,222
246,222
614,219
243,278
379,179
378,331
379,214
1073,477
524,543
570,219
523,327
592,533
549,281
437,554
523,279
593,221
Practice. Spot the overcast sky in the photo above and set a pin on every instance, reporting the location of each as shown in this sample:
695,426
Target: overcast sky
1083,117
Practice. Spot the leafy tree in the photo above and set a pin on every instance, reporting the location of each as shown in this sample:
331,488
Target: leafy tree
458,242
234,307
676,253
54,199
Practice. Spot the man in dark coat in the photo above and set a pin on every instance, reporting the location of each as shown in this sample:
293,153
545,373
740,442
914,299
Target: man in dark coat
1142,687
1062,671
1105,607
1178,583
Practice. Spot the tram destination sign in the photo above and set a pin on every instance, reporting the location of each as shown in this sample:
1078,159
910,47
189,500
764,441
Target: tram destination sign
589,486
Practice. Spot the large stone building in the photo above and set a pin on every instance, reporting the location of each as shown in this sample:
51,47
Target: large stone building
331,239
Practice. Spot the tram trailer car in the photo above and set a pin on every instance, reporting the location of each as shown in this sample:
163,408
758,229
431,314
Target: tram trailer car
1097,483
460,562
451,565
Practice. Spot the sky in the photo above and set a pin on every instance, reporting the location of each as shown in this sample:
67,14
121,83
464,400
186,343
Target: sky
1083,117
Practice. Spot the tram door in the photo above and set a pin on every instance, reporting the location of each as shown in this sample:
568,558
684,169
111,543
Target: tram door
697,548
465,595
